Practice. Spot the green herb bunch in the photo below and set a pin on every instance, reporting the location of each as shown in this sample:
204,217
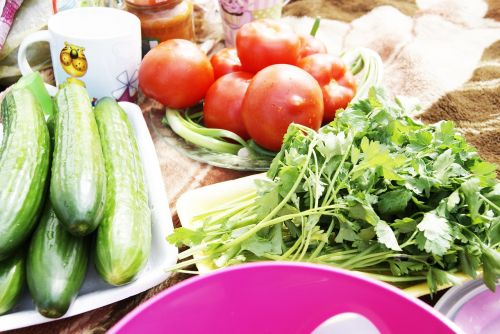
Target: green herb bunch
374,191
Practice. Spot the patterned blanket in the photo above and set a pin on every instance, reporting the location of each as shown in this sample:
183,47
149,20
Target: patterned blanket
445,53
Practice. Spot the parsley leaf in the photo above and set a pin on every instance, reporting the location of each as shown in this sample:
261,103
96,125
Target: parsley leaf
386,236
437,233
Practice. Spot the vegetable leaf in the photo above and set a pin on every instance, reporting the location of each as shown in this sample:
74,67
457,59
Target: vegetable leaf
394,201
469,263
437,278
260,244
491,267
442,165
485,172
470,189
185,236
437,234
386,236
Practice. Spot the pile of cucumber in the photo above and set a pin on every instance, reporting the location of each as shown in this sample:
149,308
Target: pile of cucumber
71,187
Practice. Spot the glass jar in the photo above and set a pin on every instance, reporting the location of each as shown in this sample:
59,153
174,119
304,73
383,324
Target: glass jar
162,20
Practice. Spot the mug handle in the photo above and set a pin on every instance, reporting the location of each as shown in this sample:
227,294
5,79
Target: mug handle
22,62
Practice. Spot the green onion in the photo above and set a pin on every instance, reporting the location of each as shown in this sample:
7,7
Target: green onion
368,64
315,26
198,135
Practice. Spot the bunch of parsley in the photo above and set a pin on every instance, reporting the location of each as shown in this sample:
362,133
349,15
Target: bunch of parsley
374,191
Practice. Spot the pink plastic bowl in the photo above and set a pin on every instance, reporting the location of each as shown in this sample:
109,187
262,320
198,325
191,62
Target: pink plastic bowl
276,297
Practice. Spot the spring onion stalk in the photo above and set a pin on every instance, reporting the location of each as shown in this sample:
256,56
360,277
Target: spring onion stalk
367,64
185,130
315,26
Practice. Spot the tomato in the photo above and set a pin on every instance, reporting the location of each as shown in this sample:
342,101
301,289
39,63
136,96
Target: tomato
266,42
348,81
310,45
222,108
176,73
278,96
324,67
335,97
337,83
225,61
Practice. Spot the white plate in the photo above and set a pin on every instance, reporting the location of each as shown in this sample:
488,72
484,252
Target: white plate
95,292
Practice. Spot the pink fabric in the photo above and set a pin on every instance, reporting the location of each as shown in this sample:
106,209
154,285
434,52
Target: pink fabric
7,18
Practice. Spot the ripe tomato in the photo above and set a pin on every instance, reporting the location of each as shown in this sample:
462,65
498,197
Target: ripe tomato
266,42
222,108
337,83
335,97
310,45
324,67
278,96
348,81
176,73
225,61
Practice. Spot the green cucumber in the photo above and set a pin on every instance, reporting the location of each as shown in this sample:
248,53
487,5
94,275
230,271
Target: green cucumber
24,165
34,83
123,242
12,276
56,265
78,180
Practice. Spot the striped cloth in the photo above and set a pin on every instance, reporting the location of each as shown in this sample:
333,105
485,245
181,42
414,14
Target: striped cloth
7,18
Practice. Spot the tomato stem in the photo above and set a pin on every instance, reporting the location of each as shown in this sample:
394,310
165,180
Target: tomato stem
315,26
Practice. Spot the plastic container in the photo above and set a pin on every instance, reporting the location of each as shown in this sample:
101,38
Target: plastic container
473,307
162,20
282,297
236,13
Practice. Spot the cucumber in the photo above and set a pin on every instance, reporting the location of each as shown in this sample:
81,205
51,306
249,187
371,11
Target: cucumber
56,265
34,83
123,241
12,276
78,180
24,165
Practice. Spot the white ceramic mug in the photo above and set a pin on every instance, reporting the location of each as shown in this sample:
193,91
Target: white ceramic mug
98,46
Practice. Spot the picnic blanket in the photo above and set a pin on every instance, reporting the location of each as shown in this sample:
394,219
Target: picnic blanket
445,53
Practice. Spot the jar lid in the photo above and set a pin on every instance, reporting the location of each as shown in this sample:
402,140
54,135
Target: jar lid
473,307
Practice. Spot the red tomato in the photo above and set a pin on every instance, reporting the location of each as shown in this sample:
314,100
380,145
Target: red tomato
310,45
348,81
222,108
176,73
278,96
266,42
335,97
337,83
324,67
225,61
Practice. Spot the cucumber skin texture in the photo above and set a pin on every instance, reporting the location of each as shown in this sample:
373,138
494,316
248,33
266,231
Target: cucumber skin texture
24,166
123,241
78,180
56,265
12,277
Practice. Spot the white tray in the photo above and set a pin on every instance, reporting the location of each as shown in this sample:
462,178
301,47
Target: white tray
95,292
